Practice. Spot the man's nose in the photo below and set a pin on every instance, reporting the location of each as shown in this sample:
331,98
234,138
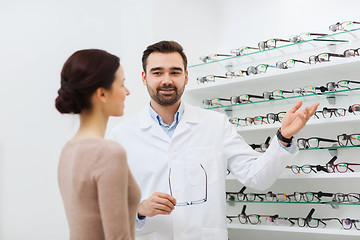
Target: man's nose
167,79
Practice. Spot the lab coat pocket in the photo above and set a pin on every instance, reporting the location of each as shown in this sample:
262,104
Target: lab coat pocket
150,236
213,234
202,164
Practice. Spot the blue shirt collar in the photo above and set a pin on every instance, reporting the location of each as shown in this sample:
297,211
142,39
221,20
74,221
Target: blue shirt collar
177,117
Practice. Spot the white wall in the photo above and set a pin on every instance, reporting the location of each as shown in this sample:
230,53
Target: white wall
37,37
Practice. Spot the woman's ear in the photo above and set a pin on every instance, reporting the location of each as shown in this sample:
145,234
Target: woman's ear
100,95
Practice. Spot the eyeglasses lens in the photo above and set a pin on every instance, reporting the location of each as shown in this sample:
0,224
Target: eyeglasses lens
264,146
346,223
271,43
295,169
349,53
297,91
254,219
270,197
355,139
326,113
312,59
342,167
290,63
261,68
313,143
251,196
308,196
207,103
342,139
267,95
341,112
201,79
244,98
331,86
301,222
297,196
355,108
236,51
278,93
343,84
306,169
248,121
354,197
242,218
282,197
251,70
339,197
241,196
323,57
330,168
313,223
347,25
234,100
271,117
234,121
243,50
281,115
301,143
262,45
216,102
294,39
281,65
258,120
334,27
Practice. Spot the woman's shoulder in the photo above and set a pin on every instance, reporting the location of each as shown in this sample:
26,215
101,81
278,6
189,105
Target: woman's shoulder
98,147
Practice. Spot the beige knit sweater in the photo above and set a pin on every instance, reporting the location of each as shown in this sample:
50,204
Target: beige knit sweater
99,192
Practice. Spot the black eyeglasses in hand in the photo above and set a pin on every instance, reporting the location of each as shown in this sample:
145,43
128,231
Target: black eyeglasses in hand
181,204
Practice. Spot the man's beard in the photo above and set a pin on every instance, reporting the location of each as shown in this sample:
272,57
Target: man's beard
166,99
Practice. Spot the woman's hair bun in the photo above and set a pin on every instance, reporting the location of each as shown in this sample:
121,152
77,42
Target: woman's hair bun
67,101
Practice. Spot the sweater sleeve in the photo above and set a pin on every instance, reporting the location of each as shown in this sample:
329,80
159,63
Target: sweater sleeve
111,175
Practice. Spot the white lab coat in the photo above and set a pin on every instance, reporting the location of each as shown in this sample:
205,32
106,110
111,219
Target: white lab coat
201,137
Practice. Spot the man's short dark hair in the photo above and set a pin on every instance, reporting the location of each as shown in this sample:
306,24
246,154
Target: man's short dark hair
163,47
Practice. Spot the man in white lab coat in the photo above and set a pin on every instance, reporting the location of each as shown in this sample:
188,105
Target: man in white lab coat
179,154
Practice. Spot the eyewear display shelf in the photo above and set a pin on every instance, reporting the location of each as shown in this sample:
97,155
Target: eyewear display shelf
287,79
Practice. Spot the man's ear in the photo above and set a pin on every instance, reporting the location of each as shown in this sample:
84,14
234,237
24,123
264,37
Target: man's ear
100,95
143,77
186,77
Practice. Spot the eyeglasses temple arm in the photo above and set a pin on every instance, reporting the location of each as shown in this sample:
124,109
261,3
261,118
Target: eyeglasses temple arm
319,34
329,219
217,76
332,160
309,216
255,96
206,183
243,210
336,55
351,81
321,168
327,140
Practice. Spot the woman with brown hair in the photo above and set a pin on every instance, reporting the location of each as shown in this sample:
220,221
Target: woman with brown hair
99,192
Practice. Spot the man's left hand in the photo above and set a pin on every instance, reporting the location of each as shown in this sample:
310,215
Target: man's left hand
295,120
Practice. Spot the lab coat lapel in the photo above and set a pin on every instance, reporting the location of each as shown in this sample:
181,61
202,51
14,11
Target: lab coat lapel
148,124
190,117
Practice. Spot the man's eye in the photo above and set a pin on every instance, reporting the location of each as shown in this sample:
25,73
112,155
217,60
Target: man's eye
156,73
175,73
